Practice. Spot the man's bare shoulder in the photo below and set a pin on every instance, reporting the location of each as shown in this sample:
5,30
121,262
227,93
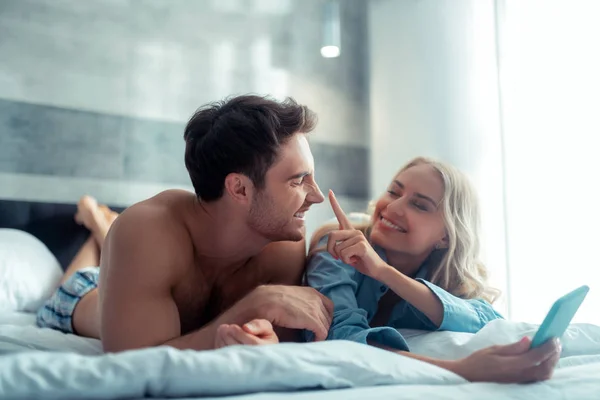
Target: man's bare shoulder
158,215
152,230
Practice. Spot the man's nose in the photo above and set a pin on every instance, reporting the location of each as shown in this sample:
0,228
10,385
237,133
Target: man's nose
316,196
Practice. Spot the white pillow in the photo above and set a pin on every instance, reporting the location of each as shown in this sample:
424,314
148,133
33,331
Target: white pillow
29,272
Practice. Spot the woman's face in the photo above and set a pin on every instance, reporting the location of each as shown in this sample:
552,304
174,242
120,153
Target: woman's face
408,218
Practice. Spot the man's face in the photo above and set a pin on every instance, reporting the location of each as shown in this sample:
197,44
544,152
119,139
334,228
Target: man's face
277,211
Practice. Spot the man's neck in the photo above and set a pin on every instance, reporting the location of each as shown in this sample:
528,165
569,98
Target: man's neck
221,235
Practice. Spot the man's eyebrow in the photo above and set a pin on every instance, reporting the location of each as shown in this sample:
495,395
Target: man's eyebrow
299,175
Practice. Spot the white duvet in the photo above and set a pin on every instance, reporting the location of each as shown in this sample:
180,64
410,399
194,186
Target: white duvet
73,367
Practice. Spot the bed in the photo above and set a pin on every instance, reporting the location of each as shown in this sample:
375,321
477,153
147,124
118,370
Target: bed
42,363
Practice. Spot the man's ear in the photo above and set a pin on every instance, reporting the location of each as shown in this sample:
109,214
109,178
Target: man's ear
239,187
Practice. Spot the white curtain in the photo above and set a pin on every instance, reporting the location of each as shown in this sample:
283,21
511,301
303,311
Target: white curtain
549,63
508,91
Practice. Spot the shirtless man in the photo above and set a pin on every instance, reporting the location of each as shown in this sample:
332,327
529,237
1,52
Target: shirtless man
174,267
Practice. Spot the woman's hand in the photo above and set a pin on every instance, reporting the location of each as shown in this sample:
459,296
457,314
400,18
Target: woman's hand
351,246
513,363
255,332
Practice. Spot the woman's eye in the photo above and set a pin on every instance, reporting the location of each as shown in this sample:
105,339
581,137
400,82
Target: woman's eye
420,205
392,193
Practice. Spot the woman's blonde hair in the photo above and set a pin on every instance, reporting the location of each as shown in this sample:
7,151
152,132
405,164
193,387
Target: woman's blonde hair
459,270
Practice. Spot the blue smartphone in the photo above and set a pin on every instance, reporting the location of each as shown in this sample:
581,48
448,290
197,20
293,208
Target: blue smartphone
559,317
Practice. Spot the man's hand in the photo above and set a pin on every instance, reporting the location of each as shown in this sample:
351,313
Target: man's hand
298,307
254,333
292,307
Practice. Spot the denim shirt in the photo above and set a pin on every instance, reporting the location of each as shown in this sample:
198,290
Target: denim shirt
356,297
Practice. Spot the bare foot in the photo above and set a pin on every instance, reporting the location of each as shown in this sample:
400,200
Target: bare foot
88,212
109,214
97,219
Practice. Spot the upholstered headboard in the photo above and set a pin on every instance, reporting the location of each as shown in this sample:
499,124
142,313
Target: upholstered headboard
52,223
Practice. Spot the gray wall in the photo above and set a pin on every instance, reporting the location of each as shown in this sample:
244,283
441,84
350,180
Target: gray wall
94,94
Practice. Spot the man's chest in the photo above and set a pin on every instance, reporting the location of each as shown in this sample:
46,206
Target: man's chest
200,300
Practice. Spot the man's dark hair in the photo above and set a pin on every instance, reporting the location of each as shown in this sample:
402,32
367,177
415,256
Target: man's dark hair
239,135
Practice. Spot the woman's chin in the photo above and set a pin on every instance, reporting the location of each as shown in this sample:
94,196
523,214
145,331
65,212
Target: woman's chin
379,238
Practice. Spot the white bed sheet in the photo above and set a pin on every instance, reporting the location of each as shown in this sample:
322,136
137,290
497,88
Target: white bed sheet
349,370
18,318
18,331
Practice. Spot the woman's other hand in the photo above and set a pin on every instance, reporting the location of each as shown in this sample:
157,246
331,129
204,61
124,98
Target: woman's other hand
254,333
513,363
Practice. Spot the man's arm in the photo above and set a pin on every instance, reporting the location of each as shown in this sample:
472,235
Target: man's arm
144,255
283,262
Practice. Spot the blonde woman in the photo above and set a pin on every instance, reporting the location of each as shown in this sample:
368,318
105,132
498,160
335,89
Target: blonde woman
415,265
